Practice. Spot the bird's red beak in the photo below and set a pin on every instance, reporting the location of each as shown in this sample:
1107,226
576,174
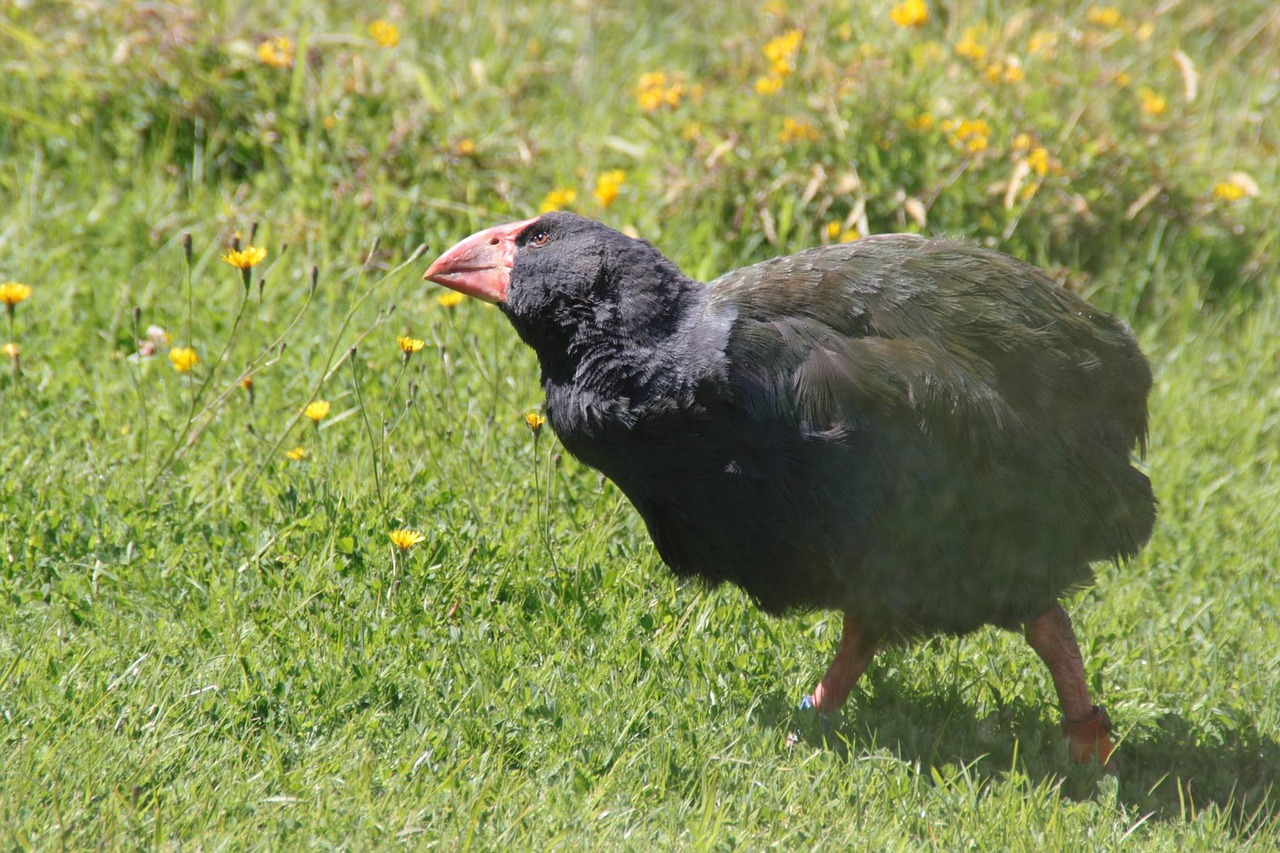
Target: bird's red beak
480,265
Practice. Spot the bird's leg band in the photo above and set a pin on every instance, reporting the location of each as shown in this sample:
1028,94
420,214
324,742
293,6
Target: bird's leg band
1086,726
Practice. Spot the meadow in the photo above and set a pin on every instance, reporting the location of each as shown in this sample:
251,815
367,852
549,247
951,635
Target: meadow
287,559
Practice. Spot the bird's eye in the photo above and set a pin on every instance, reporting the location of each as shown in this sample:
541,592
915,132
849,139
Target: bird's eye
540,239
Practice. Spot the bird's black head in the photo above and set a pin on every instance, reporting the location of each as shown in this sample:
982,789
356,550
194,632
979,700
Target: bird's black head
565,281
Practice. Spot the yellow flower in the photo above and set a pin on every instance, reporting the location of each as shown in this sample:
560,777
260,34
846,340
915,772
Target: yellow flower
449,299
13,292
797,130
924,121
465,147
1103,16
11,349
969,47
837,233
385,33
406,539
781,51
409,345
910,13
1038,160
534,421
768,84
243,259
1022,142
277,52
317,410
607,186
558,199
1153,103
1042,41
297,454
654,90
1227,191
1122,79
183,358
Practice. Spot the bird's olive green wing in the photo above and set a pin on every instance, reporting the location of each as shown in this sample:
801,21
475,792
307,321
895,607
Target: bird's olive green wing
965,342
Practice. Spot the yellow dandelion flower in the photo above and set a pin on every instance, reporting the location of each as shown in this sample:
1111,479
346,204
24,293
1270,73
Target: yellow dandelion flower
405,539
608,185
297,454
184,358
243,259
924,121
1122,79
1042,41
317,410
976,145
768,84
534,421
1153,103
969,47
277,52
781,51
465,147
11,349
13,292
837,233
385,33
797,130
654,89
1022,142
1103,16
449,299
409,345
910,13
1228,191
1038,160
558,199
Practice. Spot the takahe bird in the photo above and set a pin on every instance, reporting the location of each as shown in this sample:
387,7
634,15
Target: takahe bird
922,434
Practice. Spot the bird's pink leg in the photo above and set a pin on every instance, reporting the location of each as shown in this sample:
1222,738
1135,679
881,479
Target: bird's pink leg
851,660
1086,725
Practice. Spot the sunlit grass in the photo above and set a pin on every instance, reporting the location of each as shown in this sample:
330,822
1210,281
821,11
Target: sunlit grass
287,556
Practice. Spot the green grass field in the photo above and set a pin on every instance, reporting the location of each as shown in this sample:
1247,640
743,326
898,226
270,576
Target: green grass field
207,637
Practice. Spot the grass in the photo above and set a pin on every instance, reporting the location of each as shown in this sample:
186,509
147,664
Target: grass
204,641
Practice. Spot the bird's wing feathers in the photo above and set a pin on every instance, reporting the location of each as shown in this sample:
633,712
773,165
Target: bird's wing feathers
962,341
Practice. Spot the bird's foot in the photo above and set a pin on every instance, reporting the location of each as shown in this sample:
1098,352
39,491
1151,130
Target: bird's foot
1089,739
808,708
